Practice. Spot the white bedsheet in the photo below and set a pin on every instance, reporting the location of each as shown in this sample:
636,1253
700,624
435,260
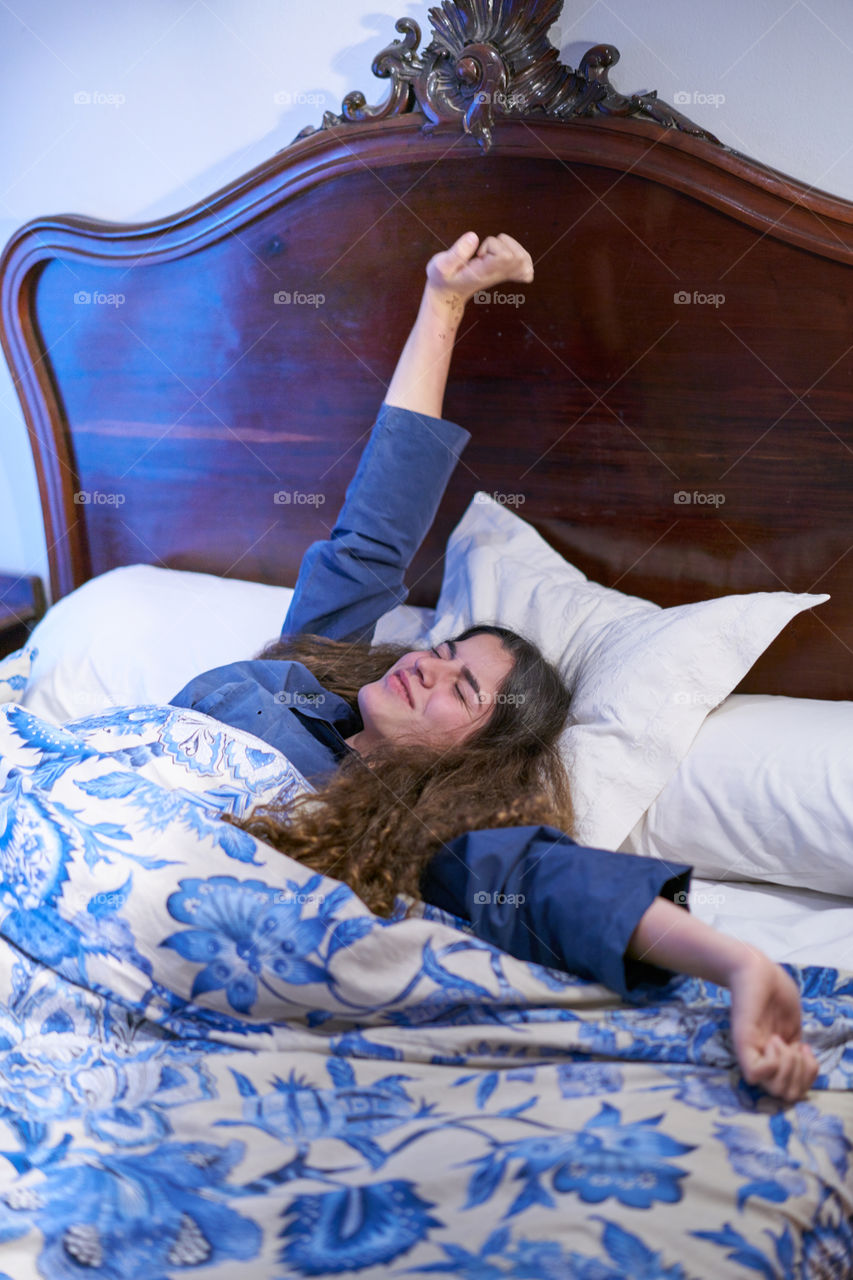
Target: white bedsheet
799,926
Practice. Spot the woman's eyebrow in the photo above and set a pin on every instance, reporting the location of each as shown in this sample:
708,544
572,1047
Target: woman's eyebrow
466,671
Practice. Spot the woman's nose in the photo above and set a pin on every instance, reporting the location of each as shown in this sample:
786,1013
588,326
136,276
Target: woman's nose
423,667
429,668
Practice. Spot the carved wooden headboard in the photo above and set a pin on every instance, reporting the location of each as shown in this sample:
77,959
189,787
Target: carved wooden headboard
671,399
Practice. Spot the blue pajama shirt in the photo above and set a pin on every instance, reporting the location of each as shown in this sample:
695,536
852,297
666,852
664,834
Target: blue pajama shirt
529,890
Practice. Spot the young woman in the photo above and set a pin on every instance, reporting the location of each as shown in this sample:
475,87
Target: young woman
436,771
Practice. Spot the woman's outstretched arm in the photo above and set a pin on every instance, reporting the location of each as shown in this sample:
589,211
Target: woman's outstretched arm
453,276
765,1003
615,918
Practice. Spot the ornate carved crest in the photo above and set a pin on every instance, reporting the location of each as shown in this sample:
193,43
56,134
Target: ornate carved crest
490,59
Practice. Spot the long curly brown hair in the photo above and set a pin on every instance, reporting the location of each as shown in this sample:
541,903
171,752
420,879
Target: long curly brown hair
379,819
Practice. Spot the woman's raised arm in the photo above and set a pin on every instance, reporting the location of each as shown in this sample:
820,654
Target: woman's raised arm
453,276
349,580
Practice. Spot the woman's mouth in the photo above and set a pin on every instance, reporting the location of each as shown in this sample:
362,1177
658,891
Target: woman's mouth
404,685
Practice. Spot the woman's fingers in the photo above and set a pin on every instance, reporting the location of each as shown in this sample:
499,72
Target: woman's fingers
801,1077
811,1057
809,1066
444,266
758,1065
786,1070
465,268
787,1083
463,248
508,256
515,255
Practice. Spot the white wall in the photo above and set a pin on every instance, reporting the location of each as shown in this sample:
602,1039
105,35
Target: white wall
194,104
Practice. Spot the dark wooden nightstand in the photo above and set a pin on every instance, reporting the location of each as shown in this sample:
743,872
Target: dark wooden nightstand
21,606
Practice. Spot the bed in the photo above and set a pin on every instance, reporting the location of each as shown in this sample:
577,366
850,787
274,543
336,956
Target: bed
215,1062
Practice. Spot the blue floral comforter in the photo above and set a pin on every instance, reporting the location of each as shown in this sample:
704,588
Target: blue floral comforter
215,1062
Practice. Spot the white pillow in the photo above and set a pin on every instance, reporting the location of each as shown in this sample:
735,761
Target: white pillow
138,634
643,678
764,793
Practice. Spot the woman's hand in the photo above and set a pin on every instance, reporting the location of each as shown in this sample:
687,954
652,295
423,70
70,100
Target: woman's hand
765,1026
464,269
453,276
765,1002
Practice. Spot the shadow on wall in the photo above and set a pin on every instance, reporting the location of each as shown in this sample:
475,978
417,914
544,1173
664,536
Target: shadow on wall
297,109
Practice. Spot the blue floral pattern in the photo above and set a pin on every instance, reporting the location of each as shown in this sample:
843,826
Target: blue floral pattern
15,671
211,1056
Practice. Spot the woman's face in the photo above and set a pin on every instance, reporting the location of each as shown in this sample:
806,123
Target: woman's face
434,697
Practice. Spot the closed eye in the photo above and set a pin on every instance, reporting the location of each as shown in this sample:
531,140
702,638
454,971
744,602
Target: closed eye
460,695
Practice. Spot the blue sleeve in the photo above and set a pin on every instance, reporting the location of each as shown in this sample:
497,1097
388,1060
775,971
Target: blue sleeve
346,583
539,896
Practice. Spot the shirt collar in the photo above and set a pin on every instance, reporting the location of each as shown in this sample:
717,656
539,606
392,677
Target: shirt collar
333,732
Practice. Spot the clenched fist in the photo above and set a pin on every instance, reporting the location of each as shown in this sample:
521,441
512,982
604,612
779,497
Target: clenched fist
464,269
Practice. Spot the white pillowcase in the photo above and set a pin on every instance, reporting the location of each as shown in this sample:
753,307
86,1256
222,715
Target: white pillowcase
643,678
138,634
764,793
